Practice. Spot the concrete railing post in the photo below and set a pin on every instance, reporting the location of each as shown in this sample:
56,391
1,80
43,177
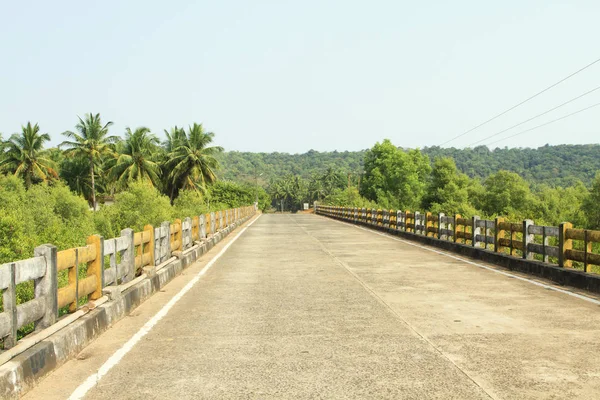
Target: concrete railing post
152,248
202,226
564,245
475,230
441,225
128,257
47,286
213,222
187,234
455,227
165,240
9,303
498,234
418,223
96,266
527,238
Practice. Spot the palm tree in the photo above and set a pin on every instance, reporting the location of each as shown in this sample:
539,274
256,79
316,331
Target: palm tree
24,156
91,142
134,161
192,162
316,189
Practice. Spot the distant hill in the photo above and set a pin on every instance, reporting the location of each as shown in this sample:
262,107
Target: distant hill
558,165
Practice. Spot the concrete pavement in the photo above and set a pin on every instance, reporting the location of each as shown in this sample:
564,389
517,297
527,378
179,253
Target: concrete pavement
301,306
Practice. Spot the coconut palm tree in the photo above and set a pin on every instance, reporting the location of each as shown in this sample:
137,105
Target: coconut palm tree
134,160
24,156
90,142
192,162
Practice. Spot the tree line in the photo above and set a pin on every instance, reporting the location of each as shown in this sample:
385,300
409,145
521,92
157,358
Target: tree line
394,178
47,194
93,162
561,165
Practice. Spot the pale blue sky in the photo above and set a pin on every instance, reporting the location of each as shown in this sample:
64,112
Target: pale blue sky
295,75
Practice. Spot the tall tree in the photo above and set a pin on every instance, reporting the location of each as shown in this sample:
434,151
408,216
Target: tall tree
394,178
24,156
506,193
447,190
91,142
192,162
134,161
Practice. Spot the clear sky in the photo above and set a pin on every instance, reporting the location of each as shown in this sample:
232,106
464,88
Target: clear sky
294,75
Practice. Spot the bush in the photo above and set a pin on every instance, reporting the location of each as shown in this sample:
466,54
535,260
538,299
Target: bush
43,214
349,197
189,203
141,204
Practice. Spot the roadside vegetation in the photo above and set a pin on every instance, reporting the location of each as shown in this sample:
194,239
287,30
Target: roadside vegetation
394,178
48,195
132,179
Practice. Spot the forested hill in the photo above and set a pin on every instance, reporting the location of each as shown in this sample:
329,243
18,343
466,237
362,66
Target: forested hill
241,165
554,165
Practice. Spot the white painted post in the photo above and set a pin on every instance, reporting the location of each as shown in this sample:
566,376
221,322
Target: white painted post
417,222
441,226
475,230
165,241
527,238
46,287
9,303
202,222
128,258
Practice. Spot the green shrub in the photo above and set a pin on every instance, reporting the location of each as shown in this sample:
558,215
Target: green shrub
189,203
141,204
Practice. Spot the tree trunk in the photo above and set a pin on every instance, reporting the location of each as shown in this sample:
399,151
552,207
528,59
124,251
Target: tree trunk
93,184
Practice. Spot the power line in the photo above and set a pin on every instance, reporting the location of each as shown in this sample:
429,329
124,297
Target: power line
547,123
537,116
523,102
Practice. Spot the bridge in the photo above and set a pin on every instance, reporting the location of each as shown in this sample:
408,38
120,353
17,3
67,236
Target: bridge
307,306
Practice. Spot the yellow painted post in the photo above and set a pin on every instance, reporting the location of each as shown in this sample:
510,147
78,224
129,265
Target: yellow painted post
428,224
407,228
207,219
455,226
195,228
94,267
150,246
498,234
587,245
178,232
564,245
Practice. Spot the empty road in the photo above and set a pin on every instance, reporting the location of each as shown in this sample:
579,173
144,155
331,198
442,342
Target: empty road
303,307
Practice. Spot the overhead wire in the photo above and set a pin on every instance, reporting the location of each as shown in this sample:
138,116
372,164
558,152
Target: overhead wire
547,123
522,102
537,116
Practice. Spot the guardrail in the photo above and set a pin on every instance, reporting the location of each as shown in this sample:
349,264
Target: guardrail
555,245
64,280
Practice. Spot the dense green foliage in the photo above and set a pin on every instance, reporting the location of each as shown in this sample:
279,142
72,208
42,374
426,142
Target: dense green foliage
97,165
391,174
560,165
240,166
46,194
394,178
42,214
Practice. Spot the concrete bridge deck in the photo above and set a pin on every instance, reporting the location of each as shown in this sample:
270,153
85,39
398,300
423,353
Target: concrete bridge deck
301,306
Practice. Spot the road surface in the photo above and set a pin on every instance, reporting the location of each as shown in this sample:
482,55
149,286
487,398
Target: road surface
303,307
